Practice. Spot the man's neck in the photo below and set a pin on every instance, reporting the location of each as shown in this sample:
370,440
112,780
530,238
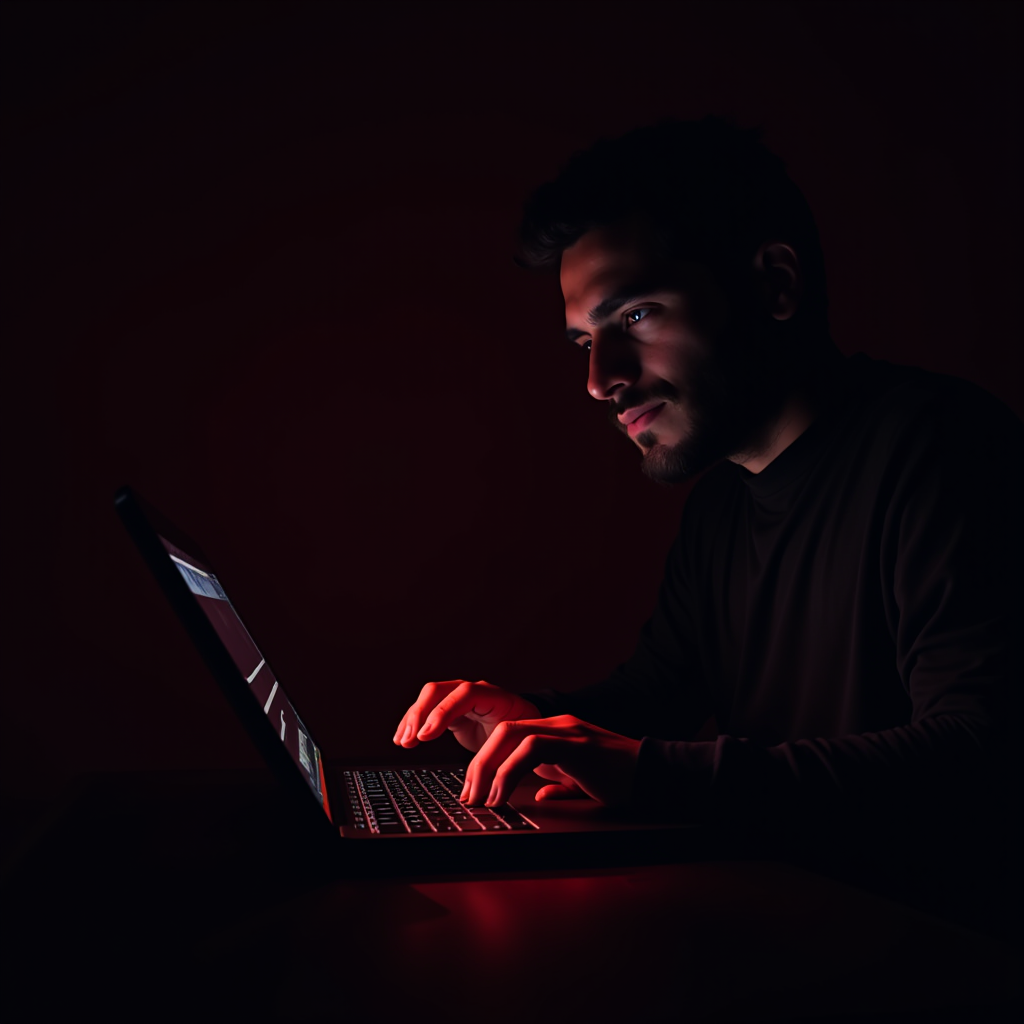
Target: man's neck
797,413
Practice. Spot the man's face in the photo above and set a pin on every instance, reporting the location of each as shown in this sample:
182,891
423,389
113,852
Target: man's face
689,373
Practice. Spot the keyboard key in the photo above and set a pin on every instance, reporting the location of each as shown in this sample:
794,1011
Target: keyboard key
512,817
390,827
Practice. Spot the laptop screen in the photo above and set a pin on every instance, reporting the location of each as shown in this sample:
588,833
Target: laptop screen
263,684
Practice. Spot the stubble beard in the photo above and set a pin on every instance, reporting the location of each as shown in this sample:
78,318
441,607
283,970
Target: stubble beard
701,448
730,403
667,464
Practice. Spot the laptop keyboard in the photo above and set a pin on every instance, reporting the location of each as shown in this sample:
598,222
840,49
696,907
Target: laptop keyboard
422,800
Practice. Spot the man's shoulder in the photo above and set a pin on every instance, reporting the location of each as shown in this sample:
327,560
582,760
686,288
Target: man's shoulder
903,413
893,394
885,416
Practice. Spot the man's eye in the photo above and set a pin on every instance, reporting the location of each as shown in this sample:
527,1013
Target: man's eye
586,345
634,316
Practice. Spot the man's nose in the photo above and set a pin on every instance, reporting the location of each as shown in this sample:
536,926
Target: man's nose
613,365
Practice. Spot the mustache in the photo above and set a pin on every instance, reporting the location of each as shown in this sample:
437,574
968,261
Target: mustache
660,390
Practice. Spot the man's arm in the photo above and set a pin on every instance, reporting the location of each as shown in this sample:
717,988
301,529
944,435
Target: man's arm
951,568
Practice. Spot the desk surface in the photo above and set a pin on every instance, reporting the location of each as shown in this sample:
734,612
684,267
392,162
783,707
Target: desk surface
181,911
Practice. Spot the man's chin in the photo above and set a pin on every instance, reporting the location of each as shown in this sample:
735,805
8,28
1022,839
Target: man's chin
668,464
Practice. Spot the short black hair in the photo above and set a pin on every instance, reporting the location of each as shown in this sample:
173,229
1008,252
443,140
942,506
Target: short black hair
714,190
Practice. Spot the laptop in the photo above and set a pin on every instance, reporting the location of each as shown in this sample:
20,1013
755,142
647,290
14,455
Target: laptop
398,814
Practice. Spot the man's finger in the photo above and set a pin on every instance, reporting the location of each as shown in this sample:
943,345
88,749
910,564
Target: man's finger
467,698
480,771
404,726
500,745
533,750
565,788
400,731
552,773
561,791
413,719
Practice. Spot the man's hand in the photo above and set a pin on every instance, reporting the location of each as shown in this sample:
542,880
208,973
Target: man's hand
580,758
471,711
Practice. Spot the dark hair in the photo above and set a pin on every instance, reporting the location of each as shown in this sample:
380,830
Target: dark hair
713,190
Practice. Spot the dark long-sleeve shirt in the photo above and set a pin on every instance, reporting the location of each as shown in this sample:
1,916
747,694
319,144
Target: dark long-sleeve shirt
851,616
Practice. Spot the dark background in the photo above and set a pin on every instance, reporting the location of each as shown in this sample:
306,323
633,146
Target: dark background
257,263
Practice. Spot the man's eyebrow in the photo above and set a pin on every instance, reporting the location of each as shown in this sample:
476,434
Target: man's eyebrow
628,293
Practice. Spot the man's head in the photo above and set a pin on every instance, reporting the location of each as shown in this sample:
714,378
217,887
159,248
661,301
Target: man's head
692,275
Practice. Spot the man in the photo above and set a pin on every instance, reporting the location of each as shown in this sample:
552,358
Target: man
843,596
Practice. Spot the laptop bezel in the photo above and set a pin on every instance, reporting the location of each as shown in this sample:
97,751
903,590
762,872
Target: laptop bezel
145,526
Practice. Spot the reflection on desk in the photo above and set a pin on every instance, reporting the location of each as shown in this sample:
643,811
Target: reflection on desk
190,907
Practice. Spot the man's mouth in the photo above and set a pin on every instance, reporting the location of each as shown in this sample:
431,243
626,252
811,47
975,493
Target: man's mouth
640,417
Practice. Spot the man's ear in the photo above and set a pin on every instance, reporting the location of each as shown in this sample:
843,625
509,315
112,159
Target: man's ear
780,278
